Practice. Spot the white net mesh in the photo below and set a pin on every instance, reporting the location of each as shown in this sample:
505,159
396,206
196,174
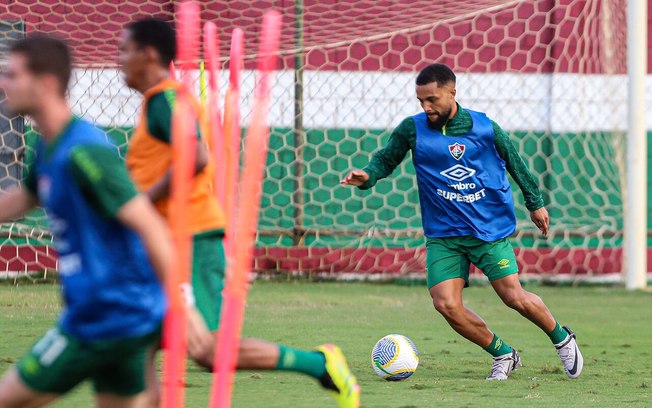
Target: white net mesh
550,73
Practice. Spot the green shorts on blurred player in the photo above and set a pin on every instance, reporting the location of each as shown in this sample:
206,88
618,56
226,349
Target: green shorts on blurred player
147,48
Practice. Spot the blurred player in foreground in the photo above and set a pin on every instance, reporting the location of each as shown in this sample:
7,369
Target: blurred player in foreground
460,157
146,51
112,244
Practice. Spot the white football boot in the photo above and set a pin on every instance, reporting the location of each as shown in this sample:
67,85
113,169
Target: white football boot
504,365
570,355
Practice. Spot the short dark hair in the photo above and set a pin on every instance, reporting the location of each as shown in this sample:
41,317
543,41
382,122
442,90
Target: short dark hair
160,35
46,55
439,73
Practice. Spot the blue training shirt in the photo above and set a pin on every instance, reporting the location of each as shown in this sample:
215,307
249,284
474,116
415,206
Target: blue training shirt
463,187
109,286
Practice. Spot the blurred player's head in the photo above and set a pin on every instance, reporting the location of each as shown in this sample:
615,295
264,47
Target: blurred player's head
37,74
436,93
146,50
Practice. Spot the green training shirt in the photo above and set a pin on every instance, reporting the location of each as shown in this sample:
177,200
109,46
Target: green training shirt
403,139
159,115
100,174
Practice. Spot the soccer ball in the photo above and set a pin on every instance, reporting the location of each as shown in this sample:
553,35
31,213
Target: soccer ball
394,357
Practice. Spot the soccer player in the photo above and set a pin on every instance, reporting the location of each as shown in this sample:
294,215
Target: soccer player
111,242
460,157
146,51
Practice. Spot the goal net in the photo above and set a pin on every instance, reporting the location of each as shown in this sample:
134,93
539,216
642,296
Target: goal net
551,73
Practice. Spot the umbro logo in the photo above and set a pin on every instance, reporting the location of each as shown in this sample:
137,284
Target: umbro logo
458,172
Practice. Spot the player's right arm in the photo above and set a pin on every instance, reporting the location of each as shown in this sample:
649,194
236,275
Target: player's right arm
383,162
15,202
18,200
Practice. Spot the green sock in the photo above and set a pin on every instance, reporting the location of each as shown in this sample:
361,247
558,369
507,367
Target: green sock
558,334
498,347
312,363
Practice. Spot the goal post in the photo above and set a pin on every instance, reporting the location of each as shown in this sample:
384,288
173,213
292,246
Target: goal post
636,219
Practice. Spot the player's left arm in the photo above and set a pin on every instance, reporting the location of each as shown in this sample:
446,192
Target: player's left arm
161,188
159,125
523,177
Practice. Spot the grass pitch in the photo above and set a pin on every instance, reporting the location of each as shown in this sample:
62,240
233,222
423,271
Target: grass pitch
614,330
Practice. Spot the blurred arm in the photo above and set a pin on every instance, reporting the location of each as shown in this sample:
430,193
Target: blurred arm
159,125
140,215
15,202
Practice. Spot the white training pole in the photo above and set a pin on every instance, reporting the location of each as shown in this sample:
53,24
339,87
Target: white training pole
636,166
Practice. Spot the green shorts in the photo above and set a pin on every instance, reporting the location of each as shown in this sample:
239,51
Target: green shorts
208,264
449,258
58,362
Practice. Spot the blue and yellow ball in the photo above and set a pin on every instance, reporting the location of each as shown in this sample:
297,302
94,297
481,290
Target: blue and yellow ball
394,357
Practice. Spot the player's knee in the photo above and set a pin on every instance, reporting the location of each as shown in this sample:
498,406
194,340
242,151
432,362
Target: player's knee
517,300
447,307
203,358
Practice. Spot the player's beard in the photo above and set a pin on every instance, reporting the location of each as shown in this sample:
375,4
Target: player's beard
442,119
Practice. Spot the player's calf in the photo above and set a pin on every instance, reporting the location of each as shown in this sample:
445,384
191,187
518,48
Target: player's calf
201,341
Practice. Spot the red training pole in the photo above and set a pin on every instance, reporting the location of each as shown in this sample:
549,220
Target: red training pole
183,158
232,132
211,56
235,292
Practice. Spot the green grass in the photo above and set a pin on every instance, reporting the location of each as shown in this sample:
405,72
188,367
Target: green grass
613,327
